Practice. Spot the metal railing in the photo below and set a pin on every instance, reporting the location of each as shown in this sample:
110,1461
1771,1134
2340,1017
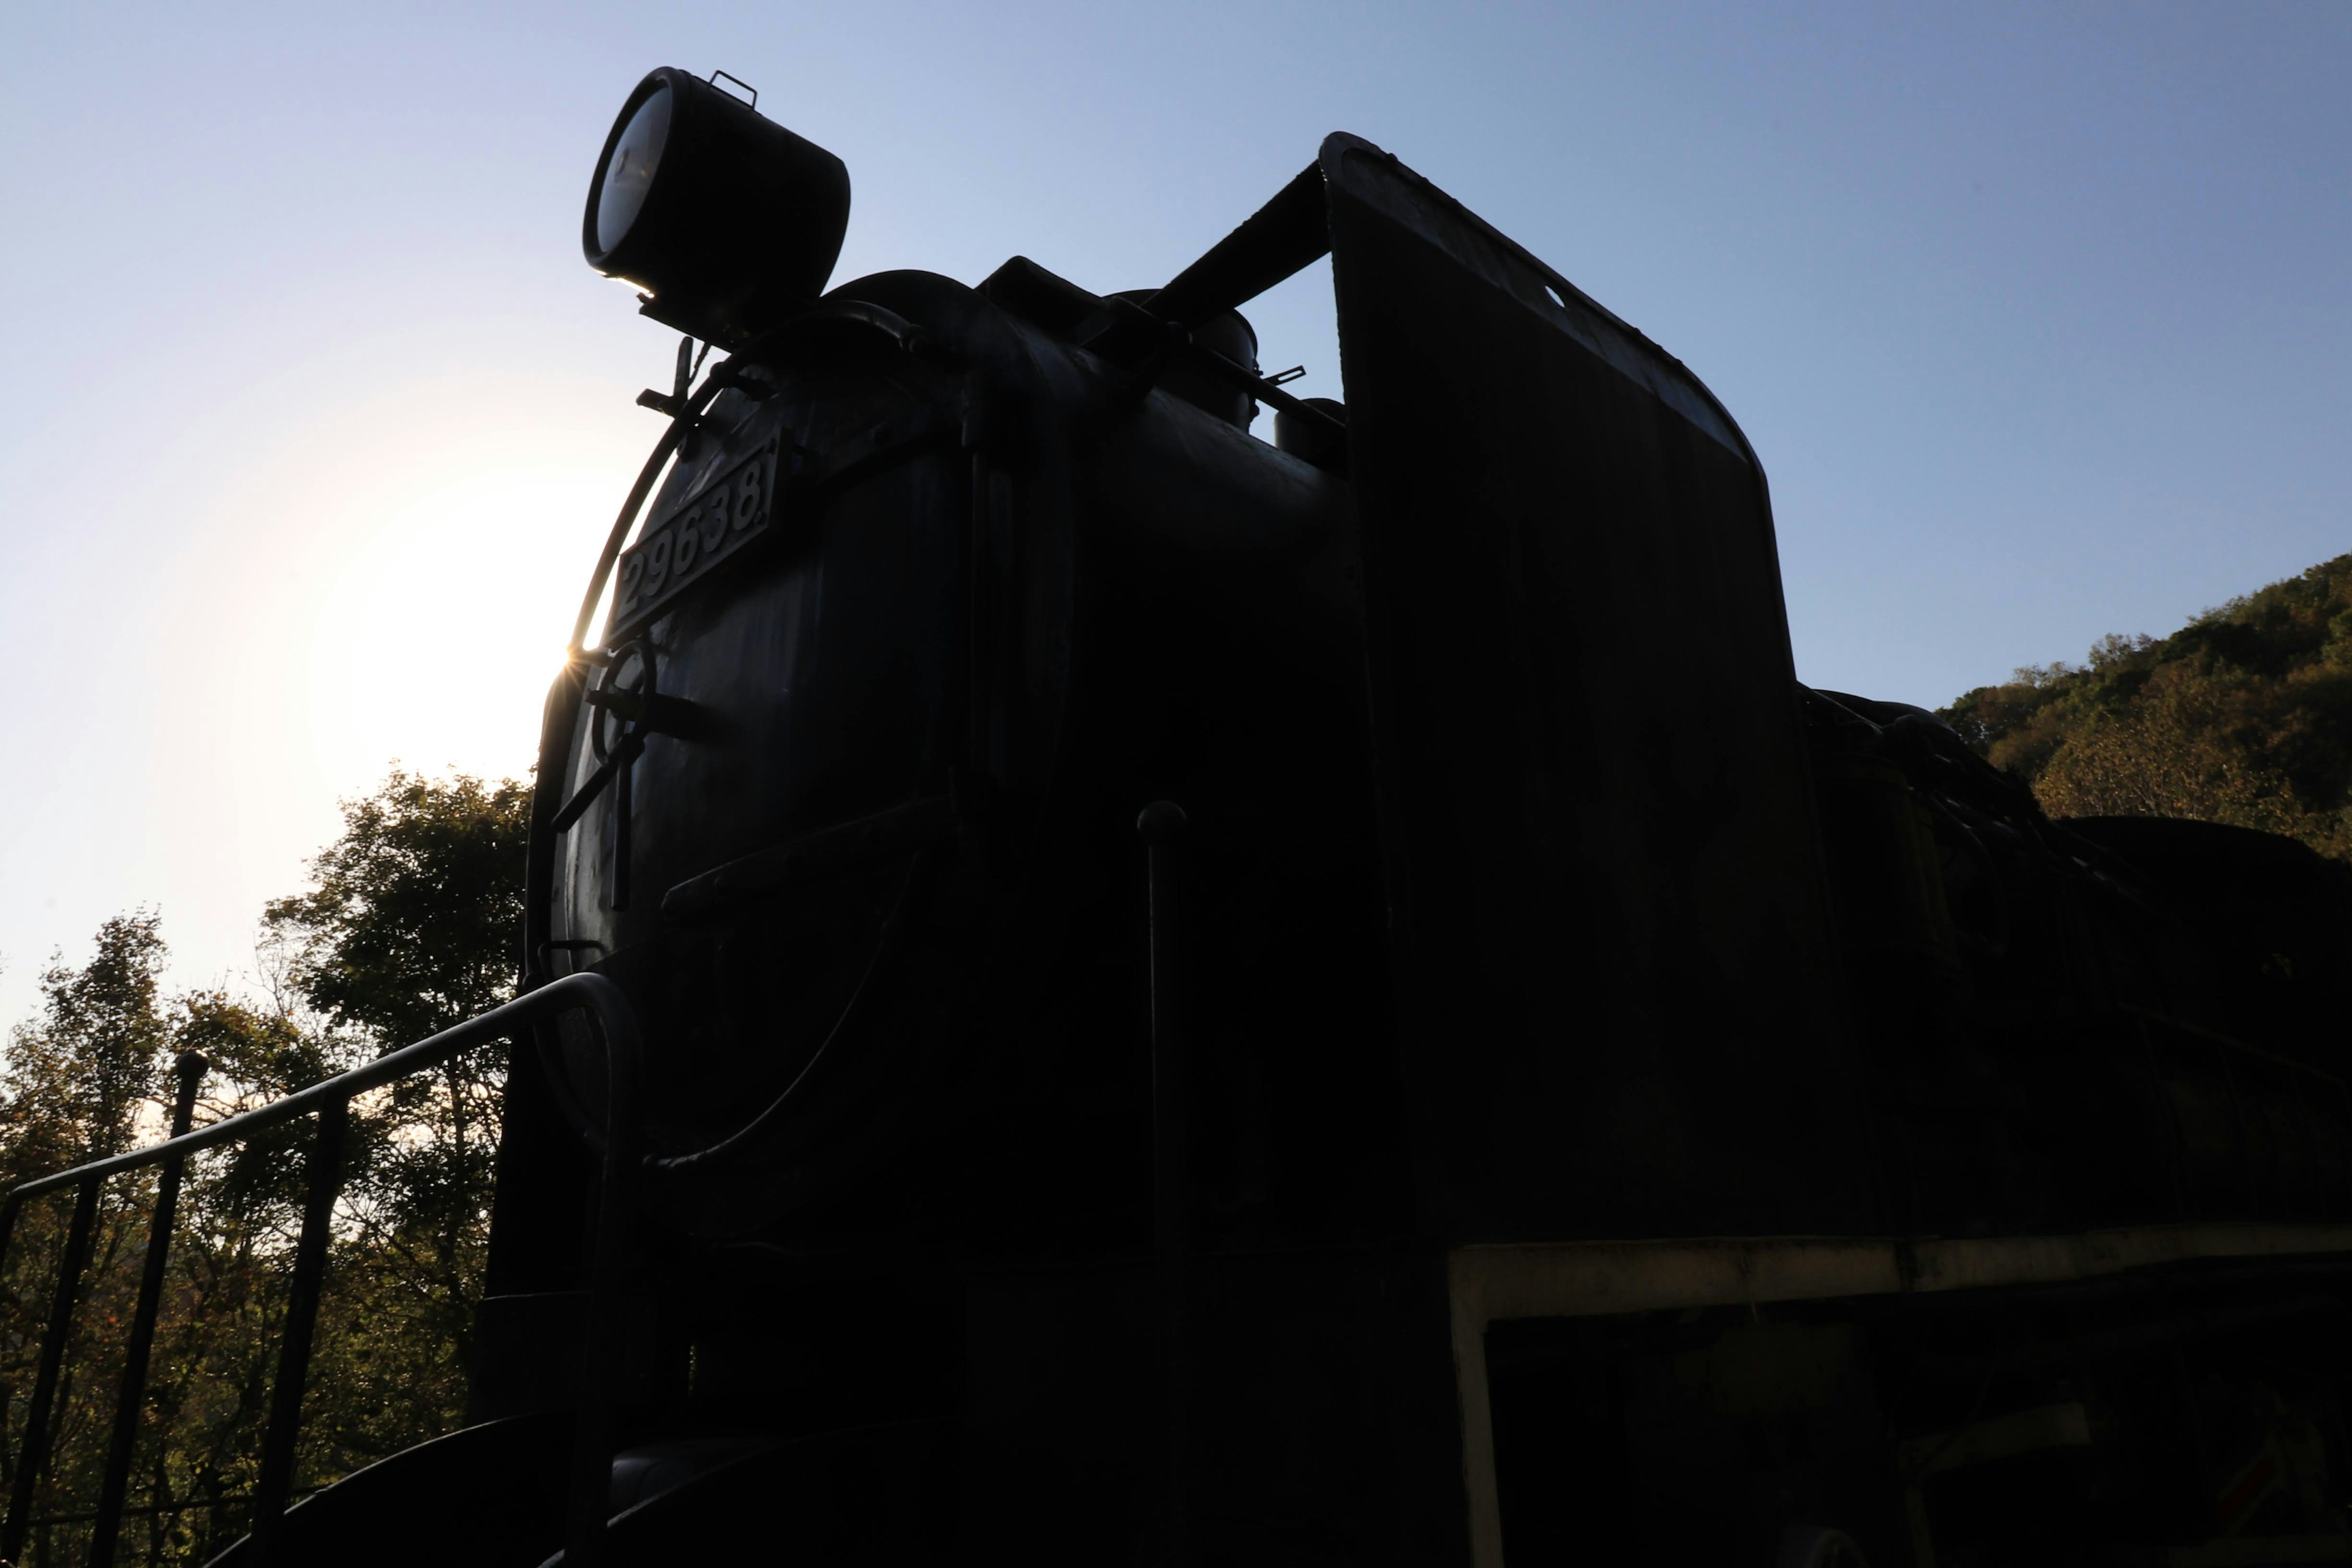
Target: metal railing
591,1476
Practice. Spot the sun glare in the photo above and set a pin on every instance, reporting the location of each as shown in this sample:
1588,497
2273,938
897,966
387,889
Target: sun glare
437,644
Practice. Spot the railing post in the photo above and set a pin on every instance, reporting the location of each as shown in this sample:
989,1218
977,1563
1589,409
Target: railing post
34,1456
324,1174
131,1401
330,1102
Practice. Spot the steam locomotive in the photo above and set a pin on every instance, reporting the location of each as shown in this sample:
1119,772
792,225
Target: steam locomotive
1332,1000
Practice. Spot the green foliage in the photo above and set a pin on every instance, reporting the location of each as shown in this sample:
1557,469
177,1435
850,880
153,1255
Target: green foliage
2243,716
74,1079
408,928
412,925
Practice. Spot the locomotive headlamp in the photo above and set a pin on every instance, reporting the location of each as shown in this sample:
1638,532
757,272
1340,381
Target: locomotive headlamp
725,219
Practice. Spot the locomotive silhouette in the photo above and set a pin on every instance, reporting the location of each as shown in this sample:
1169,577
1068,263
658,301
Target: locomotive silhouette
1333,1000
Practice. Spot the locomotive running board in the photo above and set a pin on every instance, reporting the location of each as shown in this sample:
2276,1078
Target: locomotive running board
1499,1283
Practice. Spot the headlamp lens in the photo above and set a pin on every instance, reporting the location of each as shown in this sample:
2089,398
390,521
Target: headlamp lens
631,172
723,221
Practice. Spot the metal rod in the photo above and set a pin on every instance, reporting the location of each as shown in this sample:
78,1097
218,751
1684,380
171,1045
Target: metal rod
34,1456
977,630
130,1402
2245,1127
2160,1092
325,1175
2343,1101
1242,378
625,811
572,809
1161,824
680,426
595,1429
592,992
616,1024
2309,1131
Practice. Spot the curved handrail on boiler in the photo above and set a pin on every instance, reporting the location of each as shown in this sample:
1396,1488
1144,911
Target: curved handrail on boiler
330,1100
556,736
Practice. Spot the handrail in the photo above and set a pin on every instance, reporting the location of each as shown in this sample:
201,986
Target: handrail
496,1023
593,1445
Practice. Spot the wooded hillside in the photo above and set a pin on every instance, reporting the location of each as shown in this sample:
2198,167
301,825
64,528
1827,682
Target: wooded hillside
2243,716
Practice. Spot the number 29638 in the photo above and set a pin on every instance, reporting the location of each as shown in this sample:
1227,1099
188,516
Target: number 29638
682,548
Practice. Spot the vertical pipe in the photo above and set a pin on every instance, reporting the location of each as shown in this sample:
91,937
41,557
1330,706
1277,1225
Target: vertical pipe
2342,1103
132,1398
2307,1130
35,1455
2246,1127
2161,1093
594,1431
276,1483
977,630
625,811
1161,824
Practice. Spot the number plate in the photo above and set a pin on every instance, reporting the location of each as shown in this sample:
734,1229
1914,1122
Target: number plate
681,550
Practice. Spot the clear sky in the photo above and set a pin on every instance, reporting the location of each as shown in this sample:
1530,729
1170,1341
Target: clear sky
2037,314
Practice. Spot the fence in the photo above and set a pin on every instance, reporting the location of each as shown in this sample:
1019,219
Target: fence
330,1102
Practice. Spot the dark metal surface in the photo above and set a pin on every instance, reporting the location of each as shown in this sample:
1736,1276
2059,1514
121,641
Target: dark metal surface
491,1495
876,526
595,1418
1161,827
886,835
1617,974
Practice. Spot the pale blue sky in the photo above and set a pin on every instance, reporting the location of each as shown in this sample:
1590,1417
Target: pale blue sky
2037,314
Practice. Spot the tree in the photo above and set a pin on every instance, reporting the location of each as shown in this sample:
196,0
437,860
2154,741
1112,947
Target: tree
2243,716
2189,743
407,929
410,929
75,1079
